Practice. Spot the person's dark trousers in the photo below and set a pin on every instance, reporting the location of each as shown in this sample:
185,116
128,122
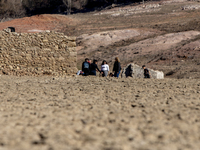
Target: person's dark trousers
86,72
93,72
117,74
147,76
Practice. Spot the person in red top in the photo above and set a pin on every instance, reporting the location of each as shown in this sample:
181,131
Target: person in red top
90,61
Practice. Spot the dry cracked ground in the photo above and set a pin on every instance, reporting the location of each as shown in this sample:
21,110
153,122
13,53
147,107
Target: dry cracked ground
92,113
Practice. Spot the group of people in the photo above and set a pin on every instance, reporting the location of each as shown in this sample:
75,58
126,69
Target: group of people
89,68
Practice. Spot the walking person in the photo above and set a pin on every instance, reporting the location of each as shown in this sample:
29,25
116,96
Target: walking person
117,67
86,67
94,67
146,72
104,68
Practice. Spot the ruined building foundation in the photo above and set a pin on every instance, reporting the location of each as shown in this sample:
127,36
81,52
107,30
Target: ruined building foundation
136,71
42,53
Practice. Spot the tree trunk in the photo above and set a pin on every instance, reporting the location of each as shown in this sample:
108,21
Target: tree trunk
68,4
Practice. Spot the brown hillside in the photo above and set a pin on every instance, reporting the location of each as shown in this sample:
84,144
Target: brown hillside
39,23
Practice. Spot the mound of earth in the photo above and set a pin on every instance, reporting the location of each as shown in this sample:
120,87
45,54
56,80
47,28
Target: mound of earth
99,113
38,23
93,43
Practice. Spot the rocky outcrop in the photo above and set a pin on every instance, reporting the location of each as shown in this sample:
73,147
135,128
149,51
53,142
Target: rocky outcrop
47,52
191,7
136,71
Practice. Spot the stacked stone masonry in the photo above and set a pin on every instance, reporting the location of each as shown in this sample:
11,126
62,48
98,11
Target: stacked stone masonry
135,71
45,53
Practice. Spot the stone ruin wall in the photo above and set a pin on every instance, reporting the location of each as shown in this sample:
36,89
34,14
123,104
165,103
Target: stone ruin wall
48,52
135,71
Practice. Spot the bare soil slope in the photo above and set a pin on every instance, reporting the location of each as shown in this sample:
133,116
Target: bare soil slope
39,23
99,113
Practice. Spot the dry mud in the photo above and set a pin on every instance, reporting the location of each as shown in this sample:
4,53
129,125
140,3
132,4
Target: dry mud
92,113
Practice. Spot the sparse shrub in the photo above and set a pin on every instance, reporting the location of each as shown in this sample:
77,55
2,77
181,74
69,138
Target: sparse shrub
20,8
40,6
11,8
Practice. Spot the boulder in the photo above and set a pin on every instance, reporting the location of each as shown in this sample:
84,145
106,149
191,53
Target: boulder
136,71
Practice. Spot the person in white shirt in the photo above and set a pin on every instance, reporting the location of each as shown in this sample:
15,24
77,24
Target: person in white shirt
104,69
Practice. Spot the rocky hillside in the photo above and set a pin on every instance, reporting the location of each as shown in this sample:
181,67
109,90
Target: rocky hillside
163,35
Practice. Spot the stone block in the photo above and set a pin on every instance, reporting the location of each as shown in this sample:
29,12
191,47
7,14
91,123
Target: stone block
71,39
136,71
43,59
71,49
45,40
56,47
61,58
73,53
71,44
46,49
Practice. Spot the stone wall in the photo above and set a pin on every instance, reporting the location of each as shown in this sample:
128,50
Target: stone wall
136,71
42,53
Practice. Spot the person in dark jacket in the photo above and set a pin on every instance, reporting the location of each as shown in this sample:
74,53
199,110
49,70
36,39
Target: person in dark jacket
86,67
117,67
94,68
146,72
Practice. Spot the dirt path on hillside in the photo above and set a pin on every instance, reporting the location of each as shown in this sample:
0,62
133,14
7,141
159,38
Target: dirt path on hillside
99,113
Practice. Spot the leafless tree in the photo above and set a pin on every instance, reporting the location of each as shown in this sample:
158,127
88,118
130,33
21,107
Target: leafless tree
11,8
68,4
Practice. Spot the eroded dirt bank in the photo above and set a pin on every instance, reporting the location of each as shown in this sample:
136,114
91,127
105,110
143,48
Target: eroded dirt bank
71,113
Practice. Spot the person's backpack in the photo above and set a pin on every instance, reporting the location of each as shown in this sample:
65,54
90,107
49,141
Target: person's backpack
86,65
